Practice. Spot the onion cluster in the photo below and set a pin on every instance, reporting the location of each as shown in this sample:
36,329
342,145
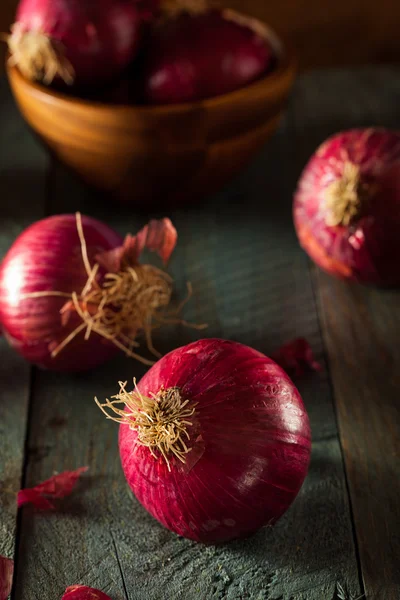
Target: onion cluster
135,51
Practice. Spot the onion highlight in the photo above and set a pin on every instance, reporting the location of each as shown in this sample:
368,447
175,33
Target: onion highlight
347,206
214,440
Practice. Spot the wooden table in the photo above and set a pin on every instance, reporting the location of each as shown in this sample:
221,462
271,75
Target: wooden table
252,283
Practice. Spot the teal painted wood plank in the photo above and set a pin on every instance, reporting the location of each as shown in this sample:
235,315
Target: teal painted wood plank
23,168
361,327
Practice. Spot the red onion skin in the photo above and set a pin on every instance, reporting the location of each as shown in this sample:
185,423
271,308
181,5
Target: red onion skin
100,38
48,256
192,57
254,453
6,577
82,592
367,251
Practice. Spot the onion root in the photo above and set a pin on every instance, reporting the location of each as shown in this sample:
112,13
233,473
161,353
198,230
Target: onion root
346,197
38,57
161,421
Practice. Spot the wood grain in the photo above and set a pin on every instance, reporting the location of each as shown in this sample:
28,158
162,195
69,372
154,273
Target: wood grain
361,328
249,276
23,167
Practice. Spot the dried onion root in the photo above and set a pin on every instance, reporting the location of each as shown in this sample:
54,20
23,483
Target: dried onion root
38,57
161,421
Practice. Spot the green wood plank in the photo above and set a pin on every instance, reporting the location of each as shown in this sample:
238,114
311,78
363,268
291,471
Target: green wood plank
23,166
251,283
361,327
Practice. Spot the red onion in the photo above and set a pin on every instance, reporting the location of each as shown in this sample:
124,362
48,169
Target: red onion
84,42
82,592
195,56
73,292
347,206
214,441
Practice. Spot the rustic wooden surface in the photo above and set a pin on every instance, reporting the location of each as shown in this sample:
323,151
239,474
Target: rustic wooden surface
253,284
361,341
332,32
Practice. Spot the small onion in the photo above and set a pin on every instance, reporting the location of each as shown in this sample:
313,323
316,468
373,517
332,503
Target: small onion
347,206
84,43
214,440
196,56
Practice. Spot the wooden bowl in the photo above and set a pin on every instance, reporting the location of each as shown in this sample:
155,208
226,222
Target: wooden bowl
149,154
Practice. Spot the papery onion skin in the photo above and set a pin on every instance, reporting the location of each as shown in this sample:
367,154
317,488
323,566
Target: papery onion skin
99,38
6,576
193,57
82,592
47,256
251,449
368,249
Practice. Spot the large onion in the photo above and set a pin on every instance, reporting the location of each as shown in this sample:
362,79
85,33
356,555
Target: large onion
214,441
347,206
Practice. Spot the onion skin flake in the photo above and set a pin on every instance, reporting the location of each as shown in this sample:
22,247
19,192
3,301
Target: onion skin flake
57,487
82,592
6,577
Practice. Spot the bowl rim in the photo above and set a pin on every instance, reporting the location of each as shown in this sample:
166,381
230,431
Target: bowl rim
287,64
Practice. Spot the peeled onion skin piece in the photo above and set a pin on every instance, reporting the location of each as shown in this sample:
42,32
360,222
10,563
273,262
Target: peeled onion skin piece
367,249
250,451
48,256
194,57
82,592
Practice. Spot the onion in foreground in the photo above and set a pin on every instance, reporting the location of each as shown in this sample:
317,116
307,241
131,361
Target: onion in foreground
214,440
347,206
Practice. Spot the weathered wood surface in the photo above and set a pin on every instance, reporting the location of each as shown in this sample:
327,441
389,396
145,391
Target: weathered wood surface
252,283
361,328
249,276
23,167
